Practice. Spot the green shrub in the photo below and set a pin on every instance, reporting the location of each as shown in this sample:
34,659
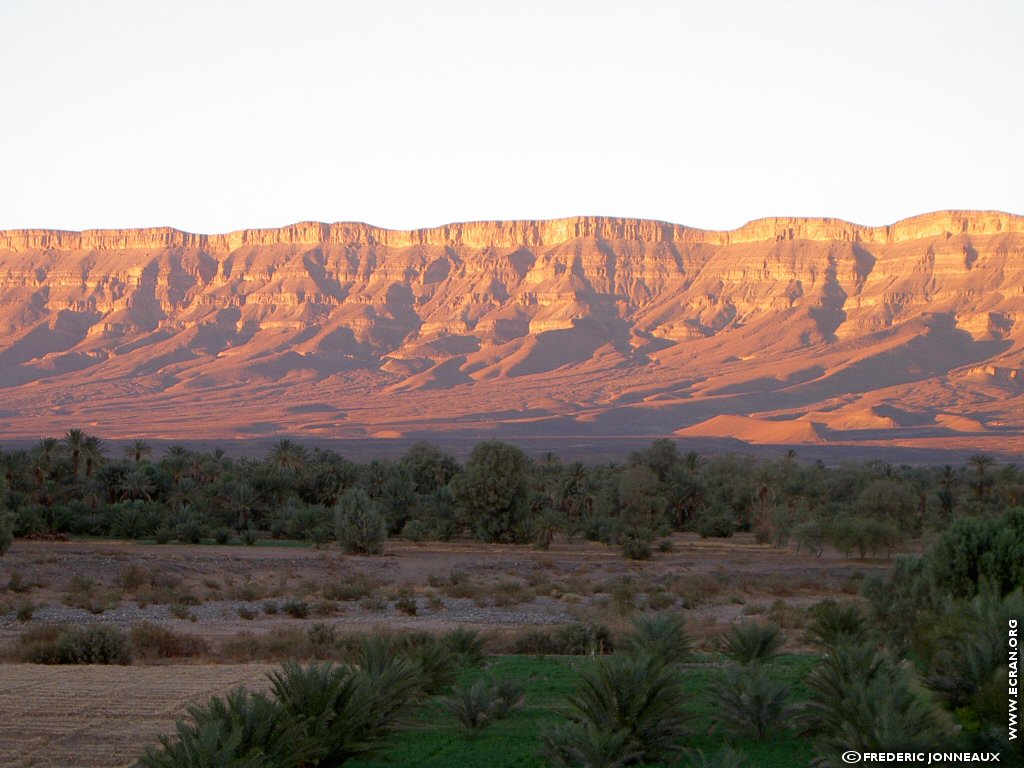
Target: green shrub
191,528
662,635
344,713
627,709
750,704
358,524
832,623
240,730
7,523
717,525
467,645
484,702
638,545
859,699
751,642
250,536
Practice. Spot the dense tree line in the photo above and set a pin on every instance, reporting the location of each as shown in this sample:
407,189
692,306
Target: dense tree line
76,485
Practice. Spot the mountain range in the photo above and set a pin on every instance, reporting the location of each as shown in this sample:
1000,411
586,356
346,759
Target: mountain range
784,331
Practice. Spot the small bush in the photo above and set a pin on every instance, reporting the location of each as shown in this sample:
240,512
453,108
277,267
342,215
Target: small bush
151,641
222,535
247,613
270,607
570,640
752,643
76,645
406,604
181,611
24,612
833,623
352,589
484,702
627,709
751,704
637,546
662,635
373,603
719,526
297,609
18,583
250,536
467,645
132,577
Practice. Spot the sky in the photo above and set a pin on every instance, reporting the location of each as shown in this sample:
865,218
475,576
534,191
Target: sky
214,116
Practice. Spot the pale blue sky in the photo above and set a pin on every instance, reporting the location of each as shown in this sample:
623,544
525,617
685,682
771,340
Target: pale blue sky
213,116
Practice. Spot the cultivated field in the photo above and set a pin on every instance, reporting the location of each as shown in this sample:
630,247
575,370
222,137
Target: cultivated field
93,716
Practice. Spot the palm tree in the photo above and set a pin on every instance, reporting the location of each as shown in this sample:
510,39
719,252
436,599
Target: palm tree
635,701
136,484
980,461
74,441
137,450
288,455
92,449
45,452
693,461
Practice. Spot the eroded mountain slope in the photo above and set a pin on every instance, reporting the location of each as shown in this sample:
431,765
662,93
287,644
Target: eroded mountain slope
785,330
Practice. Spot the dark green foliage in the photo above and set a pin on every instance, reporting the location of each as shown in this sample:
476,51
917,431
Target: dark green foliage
431,658
862,535
661,635
832,623
485,701
751,642
467,645
492,491
899,600
859,699
240,730
7,522
343,712
726,757
716,525
966,648
358,524
972,551
628,708
322,714
750,703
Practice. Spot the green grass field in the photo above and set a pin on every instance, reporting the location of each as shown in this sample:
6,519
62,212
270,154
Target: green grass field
433,739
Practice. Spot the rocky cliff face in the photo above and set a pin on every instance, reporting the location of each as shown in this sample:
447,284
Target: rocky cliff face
566,326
